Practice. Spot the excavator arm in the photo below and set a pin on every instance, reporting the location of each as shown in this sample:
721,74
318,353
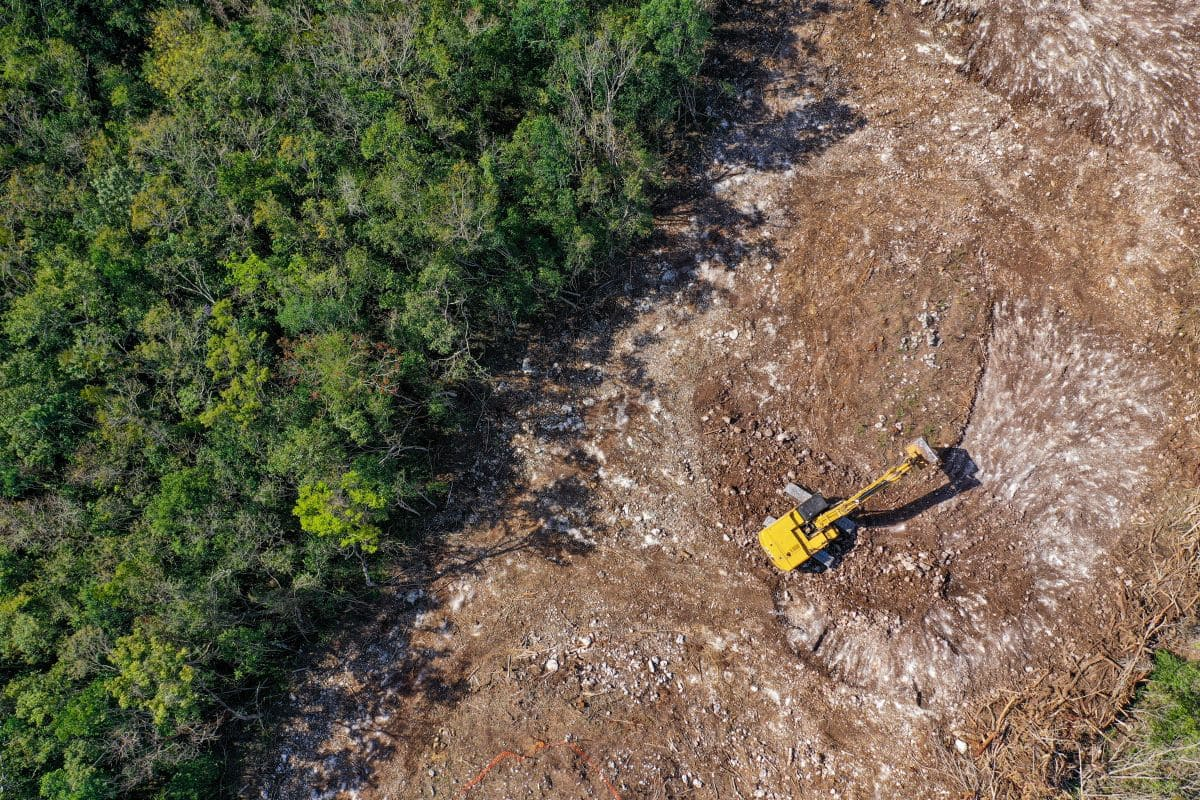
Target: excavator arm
917,453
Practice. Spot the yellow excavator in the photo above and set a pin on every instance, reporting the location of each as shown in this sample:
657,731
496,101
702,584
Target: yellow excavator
807,530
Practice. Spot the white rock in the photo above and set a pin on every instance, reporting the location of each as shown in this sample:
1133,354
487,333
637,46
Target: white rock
551,665
960,746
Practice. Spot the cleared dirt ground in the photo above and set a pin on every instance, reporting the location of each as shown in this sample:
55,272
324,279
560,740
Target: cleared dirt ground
875,246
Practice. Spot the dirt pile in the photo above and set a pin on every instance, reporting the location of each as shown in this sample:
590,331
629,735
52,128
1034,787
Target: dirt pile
1066,428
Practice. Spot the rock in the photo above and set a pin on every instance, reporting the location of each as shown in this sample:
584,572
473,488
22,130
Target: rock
932,339
550,666
960,746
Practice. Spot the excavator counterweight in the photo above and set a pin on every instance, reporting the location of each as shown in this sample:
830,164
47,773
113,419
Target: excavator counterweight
808,529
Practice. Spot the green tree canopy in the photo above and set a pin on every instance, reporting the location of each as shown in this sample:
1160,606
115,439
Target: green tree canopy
247,253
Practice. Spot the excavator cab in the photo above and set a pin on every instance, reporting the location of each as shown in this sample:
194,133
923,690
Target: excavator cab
808,529
794,538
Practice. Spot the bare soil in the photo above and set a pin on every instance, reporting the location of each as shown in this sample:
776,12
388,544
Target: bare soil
872,246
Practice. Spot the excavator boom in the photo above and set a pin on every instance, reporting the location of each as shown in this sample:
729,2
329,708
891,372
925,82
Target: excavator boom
917,453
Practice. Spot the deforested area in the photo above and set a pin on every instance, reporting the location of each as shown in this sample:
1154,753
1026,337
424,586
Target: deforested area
398,400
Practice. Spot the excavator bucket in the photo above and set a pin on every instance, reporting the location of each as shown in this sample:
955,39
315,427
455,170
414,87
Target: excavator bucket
920,448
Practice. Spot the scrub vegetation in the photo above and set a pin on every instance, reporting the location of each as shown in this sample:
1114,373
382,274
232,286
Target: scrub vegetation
248,250
1159,757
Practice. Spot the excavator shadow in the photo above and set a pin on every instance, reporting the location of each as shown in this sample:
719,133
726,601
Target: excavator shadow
960,471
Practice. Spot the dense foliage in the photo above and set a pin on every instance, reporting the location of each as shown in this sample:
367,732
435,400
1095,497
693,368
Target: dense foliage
246,252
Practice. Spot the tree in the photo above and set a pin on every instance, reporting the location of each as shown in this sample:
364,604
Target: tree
236,354
154,676
348,512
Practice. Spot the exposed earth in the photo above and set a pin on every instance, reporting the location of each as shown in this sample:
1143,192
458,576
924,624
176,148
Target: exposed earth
875,246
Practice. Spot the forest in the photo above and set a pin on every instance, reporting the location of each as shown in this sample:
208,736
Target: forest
248,252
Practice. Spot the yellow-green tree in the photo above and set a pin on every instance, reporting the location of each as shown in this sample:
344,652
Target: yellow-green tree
154,677
348,511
